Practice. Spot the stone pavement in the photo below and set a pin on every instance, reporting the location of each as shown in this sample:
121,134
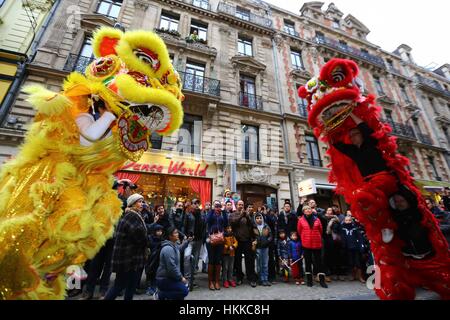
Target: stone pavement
337,290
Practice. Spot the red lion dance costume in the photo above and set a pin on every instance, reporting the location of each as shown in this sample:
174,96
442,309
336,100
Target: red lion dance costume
332,97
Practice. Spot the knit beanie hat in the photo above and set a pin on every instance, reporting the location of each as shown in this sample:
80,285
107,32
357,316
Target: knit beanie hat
133,198
305,208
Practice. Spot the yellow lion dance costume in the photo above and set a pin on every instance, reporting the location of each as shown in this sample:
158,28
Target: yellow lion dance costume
57,206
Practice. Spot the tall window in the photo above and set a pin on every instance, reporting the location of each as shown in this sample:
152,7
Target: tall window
378,86
404,93
190,135
296,59
250,143
390,64
248,92
194,77
289,27
243,14
200,28
320,35
302,105
312,149
389,117
156,141
433,168
109,8
445,131
336,24
431,100
245,46
169,21
204,4
416,125
85,57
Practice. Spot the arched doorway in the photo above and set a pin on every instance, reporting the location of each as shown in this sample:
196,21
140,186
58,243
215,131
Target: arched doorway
258,195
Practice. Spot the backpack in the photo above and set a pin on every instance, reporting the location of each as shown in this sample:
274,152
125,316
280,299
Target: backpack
153,263
154,260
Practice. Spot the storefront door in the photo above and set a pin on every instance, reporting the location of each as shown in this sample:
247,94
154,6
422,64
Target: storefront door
258,195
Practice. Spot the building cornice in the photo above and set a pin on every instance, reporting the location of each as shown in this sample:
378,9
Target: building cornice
258,114
187,5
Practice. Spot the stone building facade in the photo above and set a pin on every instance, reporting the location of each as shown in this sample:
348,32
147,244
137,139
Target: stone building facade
241,62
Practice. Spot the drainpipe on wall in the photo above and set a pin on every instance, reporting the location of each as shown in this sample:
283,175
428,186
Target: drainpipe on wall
284,130
21,69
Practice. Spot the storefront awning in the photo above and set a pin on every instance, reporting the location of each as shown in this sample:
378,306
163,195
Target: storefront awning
325,186
428,187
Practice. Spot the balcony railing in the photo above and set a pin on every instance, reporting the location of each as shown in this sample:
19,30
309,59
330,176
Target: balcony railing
291,32
250,101
433,85
76,62
253,18
200,84
315,162
425,139
350,50
400,129
302,110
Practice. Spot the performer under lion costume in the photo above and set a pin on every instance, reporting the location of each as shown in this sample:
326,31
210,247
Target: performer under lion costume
57,206
408,246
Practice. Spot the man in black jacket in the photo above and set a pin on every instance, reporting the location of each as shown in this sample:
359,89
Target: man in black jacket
287,219
242,225
194,227
446,198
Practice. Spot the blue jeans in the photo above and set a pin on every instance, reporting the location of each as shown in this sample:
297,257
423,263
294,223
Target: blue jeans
124,280
171,290
263,263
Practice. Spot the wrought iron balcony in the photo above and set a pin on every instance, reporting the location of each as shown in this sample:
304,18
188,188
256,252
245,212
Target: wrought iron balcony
250,101
350,50
432,84
302,110
291,32
315,162
425,139
200,84
400,129
76,62
251,17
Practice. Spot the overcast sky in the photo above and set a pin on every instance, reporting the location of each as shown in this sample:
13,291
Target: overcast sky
423,25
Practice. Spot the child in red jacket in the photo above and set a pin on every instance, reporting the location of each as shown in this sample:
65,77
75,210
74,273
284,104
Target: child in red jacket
309,228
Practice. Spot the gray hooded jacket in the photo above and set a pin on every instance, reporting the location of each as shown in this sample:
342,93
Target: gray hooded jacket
169,261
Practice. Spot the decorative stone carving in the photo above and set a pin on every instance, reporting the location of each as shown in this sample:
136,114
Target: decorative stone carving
141,5
260,175
278,38
247,64
300,74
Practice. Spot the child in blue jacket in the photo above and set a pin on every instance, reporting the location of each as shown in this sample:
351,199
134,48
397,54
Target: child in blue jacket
295,258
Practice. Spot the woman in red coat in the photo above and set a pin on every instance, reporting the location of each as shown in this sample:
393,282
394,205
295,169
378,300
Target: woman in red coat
309,228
